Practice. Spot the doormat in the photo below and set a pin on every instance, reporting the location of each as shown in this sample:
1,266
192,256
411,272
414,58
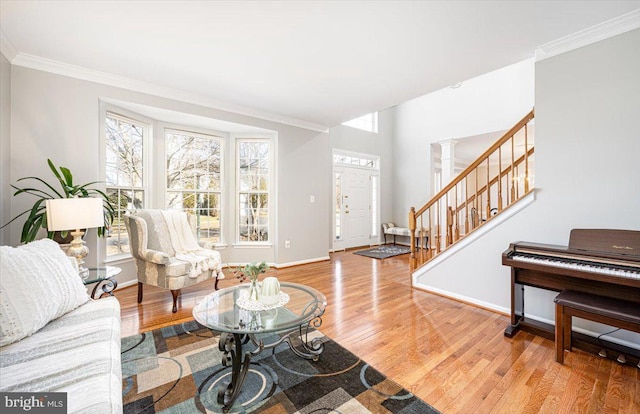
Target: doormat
382,252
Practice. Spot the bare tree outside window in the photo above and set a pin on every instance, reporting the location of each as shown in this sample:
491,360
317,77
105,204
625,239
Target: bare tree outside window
253,190
193,164
124,175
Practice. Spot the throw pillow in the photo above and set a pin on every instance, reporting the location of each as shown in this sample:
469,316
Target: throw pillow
38,284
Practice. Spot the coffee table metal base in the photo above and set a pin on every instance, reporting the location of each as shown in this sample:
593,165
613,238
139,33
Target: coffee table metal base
232,355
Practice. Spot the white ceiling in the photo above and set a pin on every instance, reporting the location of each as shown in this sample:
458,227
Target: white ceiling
317,62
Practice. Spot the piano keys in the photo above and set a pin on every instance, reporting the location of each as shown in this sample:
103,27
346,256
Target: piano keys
599,261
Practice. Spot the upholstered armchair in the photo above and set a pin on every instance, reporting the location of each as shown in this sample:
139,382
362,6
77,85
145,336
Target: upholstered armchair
167,254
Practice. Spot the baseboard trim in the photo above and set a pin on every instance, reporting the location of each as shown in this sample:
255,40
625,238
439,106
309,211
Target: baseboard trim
301,262
465,299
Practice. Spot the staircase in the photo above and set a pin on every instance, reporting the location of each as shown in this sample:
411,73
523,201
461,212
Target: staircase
496,180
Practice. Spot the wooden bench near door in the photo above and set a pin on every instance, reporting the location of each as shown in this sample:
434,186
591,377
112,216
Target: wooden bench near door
614,312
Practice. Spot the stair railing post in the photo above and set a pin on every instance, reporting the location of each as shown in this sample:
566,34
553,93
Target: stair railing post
412,232
488,212
500,178
526,159
513,172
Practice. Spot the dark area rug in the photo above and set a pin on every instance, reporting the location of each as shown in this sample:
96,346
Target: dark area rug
382,252
178,369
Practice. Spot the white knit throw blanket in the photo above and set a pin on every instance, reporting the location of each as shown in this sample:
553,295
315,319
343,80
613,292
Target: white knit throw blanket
185,244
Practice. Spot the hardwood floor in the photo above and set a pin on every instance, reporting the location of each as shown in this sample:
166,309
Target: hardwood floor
453,356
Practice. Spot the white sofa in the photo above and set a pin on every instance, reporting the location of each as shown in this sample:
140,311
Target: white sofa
77,350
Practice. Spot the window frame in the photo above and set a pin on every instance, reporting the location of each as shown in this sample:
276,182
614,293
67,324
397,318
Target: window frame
154,175
221,192
147,163
271,141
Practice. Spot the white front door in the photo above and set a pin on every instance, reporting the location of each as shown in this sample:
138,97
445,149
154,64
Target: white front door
356,211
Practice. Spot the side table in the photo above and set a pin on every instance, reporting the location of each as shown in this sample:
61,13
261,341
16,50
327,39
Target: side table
104,278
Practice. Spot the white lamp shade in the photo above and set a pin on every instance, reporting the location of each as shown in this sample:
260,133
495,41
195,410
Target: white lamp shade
74,213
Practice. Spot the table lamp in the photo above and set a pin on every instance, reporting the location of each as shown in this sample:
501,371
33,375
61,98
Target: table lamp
64,214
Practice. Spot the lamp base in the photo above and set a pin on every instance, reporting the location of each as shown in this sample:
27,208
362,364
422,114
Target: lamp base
78,250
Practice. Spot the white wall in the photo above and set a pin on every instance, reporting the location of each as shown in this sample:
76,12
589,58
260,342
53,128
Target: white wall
587,171
304,170
381,144
5,147
57,117
491,102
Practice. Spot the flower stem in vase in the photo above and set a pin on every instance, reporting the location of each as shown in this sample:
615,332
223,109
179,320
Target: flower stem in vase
253,290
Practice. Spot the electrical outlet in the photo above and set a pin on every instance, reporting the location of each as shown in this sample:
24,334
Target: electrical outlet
287,244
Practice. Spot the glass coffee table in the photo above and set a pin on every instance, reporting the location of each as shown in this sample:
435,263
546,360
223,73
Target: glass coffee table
239,320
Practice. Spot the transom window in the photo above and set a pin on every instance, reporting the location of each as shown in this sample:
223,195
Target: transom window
368,122
355,161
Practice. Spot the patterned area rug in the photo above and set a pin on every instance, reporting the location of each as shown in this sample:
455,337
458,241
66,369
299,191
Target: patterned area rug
382,252
177,370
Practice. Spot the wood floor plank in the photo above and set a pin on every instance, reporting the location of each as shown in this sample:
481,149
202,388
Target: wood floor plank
550,371
452,355
597,398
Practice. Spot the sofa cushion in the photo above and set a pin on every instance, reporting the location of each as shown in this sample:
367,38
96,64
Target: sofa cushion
38,284
78,353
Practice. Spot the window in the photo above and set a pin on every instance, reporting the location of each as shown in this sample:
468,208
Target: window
125,177
355,161
151,163
253,182
368,122
194,178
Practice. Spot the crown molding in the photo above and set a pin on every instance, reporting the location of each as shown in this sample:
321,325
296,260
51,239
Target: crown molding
6,47
593,34
82,73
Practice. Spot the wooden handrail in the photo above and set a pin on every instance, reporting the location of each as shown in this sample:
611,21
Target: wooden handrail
445,212
510,133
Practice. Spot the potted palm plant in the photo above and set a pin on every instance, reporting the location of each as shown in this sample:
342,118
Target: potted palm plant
36,215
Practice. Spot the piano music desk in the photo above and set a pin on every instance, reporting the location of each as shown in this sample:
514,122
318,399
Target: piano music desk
614,312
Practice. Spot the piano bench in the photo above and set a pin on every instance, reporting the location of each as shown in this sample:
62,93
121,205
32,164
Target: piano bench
614,312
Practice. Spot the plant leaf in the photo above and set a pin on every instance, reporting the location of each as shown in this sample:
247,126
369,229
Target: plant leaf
59,177
36,192
54,169
33,233
67,176
15,218
43,182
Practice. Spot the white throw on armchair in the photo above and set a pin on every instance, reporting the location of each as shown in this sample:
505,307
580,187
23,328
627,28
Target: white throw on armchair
167,253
